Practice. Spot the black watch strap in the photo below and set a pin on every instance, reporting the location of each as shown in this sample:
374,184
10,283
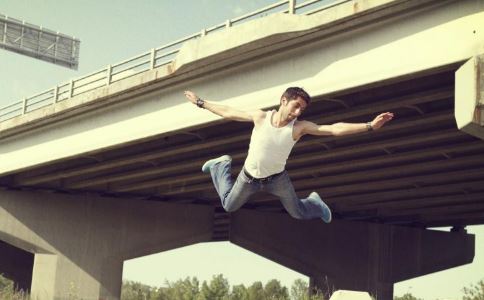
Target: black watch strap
200,102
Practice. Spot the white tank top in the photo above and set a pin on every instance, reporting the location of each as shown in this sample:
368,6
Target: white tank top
269,148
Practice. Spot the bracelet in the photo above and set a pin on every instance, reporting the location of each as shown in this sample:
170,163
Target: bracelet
200,102
368,126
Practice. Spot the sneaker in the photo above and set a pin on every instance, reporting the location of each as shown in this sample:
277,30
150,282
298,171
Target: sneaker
209,163
326,211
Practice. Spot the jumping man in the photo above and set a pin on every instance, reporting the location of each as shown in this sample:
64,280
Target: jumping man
273,137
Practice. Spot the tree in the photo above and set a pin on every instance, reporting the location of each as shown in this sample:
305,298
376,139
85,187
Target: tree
406,296
187,289
6,288
217,290
5,283
274,291
255,291
474,292
131,290
239,292
299,290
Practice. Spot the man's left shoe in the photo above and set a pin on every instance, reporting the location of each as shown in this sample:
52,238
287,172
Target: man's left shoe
209,163
326,210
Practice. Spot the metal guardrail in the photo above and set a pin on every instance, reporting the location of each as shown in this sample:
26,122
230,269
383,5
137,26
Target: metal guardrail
149,60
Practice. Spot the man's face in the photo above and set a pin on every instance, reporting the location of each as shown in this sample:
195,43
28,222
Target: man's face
294,108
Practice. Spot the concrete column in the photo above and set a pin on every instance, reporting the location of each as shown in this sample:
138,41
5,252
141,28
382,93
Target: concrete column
350,255
80,242
383,291
381,262
56,277
469,97
16,265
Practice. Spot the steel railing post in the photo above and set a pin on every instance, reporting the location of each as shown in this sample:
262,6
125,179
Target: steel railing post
71,88
292,6
153,59
24,106
56,93
109,70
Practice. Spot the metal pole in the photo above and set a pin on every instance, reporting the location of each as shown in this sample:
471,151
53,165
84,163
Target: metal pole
24,106
55,46
40,38
152,62
292,6
5,31
109,70
73,46
71,88
56,93
22,34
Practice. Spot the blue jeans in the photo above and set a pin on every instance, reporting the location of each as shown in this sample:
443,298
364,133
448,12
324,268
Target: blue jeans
234,194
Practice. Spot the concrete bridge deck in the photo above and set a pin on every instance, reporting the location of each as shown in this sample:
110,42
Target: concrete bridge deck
420,171
138,139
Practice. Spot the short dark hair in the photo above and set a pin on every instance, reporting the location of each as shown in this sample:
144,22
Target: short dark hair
295,92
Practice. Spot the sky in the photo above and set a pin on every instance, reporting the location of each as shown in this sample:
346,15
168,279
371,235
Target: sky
115,30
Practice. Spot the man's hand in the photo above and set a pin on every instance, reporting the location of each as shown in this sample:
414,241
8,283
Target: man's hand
381,119
191,96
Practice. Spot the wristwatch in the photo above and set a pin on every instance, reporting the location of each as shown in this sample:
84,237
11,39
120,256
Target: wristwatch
368,126
200,102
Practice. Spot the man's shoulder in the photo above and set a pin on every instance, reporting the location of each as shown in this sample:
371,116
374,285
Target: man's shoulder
259,114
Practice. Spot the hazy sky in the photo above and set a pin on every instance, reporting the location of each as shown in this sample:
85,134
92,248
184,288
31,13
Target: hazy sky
112,31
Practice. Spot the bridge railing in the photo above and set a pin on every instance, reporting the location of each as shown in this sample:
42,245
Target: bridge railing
149,60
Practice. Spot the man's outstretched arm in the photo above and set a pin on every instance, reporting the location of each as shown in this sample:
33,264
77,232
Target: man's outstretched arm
224,111
346,128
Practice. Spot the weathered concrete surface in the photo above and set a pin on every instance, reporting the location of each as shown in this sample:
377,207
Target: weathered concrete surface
469,97
392,47
350,295
80,242
350,255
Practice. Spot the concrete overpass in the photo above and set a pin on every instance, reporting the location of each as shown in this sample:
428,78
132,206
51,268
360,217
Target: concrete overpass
112,173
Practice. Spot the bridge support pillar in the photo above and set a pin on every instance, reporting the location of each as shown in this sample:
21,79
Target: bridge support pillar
350,255
80,242
469,97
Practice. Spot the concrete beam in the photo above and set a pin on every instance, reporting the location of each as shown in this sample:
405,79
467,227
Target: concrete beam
350,255
83,240
469,97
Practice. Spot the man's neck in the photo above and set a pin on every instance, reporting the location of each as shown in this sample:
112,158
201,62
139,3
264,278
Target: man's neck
278,120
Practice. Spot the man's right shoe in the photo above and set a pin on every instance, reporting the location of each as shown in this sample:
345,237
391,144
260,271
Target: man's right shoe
326,210
209,163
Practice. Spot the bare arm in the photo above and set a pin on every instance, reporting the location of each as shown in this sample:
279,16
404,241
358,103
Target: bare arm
225,111
338,129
